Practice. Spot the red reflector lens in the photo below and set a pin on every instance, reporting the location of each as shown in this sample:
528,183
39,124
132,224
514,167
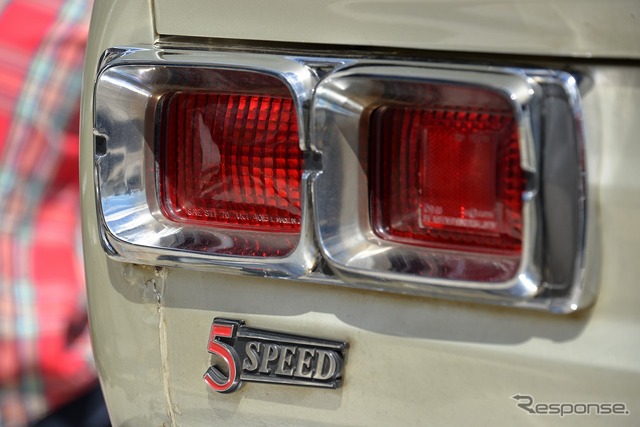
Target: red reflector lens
232,161
448,175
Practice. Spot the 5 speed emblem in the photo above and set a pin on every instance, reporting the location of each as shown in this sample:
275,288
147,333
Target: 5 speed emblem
271,357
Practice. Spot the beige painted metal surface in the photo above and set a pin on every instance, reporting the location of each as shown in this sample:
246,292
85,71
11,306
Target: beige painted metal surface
585,28
124,324
412,361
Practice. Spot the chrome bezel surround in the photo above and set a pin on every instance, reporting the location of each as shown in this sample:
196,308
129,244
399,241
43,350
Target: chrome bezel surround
129,88
334,181
345,234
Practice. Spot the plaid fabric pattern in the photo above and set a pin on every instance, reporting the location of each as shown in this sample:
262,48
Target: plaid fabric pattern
45,358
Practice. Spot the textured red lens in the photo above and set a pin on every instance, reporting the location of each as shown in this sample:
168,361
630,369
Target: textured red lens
447,174
232,161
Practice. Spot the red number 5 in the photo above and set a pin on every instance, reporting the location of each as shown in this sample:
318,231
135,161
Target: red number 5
223,329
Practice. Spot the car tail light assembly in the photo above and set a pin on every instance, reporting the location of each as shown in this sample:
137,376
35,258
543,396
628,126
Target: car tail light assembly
461,181
198,160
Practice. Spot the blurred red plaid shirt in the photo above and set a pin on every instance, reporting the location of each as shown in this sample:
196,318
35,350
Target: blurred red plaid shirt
45,357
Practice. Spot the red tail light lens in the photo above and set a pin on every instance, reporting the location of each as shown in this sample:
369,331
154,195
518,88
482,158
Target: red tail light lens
231,161
447,174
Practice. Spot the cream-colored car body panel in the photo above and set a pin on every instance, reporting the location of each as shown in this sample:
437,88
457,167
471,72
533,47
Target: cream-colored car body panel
412,361
586,28
124,324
